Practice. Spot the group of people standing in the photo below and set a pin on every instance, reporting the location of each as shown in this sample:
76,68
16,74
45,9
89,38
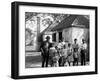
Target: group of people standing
57,55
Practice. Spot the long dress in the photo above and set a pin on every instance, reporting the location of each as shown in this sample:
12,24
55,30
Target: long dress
70,55
53,57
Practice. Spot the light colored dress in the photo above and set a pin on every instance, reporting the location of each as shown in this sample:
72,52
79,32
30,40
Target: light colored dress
53,57
52,51
64,53
70,55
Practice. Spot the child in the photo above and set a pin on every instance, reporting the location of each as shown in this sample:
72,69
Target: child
60,57
53,56
69,52
64,55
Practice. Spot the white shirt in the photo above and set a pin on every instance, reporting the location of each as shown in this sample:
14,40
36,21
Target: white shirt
63,43
64,53
60,45
83,46
52,51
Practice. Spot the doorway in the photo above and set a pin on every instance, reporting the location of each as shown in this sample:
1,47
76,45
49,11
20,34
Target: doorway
60,36
54,37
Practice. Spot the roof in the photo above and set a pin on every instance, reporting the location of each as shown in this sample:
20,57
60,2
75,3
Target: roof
72,21
81,21
65,23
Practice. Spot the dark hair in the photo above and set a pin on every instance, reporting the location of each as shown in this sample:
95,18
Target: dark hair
56,47
83,40
69,44
64,46
59,40
75,39
48,37
52,44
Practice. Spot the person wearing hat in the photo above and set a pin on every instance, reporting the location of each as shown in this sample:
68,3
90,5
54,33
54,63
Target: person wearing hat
45,46
83,52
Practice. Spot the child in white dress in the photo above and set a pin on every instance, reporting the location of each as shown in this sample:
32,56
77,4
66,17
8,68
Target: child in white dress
69,54
53,56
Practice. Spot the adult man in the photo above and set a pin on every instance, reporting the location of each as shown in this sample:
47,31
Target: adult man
83,52
45,51
75,52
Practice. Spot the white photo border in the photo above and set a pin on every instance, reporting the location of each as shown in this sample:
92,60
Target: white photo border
40,71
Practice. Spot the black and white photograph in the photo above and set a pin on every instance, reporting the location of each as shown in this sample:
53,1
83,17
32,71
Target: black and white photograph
51,40
56,40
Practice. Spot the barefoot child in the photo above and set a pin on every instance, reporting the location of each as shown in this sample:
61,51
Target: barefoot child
53,56
70,56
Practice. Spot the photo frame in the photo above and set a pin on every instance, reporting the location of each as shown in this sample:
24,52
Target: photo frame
33,24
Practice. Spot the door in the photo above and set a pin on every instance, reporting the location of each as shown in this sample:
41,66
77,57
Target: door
60,36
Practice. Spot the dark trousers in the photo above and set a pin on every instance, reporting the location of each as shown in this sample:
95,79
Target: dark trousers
75,57
45,61
69,63
75,62
62,61
83,62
